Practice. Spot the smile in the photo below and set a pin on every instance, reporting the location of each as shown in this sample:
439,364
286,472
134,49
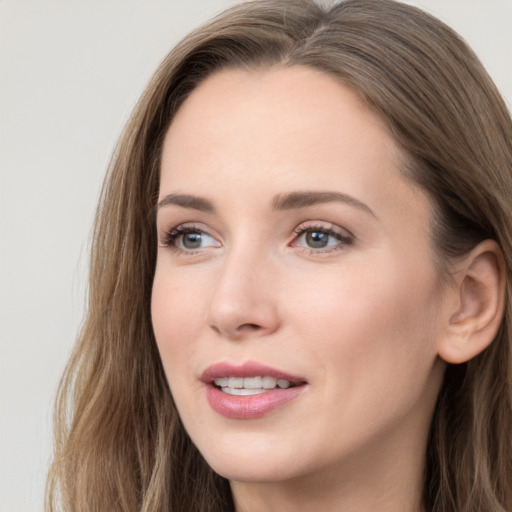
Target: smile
246,386
250,390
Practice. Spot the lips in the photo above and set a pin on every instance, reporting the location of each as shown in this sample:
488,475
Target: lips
250,390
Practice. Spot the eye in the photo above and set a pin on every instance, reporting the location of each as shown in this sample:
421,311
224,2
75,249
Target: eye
189,238
321,238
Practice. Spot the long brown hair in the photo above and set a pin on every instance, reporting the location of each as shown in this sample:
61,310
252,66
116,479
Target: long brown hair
120,445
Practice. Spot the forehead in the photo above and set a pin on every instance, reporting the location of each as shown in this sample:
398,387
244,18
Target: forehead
276,130
276,108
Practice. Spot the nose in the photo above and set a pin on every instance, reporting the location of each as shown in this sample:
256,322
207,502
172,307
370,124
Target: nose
243,303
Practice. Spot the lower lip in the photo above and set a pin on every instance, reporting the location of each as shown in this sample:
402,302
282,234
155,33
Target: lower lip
252,406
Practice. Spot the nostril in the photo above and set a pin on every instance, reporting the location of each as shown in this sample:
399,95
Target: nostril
238,330
251,327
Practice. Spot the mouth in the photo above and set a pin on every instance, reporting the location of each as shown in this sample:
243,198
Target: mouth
249,390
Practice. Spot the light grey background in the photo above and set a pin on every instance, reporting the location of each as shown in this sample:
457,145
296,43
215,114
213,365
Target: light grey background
70,72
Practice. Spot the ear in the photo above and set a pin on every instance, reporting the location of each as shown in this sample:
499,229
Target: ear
480,287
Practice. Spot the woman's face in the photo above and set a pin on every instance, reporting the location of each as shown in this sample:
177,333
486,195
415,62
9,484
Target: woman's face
296,305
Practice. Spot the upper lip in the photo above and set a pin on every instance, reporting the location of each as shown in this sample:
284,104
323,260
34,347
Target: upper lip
247,369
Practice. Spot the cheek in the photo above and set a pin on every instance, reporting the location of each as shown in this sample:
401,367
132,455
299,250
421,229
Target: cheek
380,324
177,315
369,339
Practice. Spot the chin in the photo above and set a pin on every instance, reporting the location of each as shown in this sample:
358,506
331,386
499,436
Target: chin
252,462
259,473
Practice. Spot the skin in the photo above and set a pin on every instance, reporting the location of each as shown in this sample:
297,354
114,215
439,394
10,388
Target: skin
361,320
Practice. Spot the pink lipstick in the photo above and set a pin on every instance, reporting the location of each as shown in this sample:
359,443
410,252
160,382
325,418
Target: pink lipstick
250,390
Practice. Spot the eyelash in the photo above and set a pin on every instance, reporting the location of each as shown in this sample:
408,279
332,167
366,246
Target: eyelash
171,238
345,240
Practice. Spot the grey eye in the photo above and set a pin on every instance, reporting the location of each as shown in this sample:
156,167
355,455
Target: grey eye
192,240
321,239
317,239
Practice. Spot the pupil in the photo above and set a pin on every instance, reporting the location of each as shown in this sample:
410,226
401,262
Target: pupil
192,240
317,239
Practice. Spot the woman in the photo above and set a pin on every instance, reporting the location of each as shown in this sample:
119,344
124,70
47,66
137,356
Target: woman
300,280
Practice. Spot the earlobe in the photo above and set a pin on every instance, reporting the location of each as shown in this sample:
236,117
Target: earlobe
481,292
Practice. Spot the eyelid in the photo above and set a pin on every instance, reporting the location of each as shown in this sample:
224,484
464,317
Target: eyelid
323,226
343,235
170,236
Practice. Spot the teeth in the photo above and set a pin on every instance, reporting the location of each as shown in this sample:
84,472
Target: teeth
242,392
269,382
253,382
236,382
245,386
283,383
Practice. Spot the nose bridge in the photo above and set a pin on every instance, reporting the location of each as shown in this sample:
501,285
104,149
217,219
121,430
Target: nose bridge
242,301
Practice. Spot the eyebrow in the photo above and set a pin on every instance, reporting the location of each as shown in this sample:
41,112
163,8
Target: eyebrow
290,201
295,200
187,201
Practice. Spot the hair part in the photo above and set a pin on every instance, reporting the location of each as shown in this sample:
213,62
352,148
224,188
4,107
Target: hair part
120,445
